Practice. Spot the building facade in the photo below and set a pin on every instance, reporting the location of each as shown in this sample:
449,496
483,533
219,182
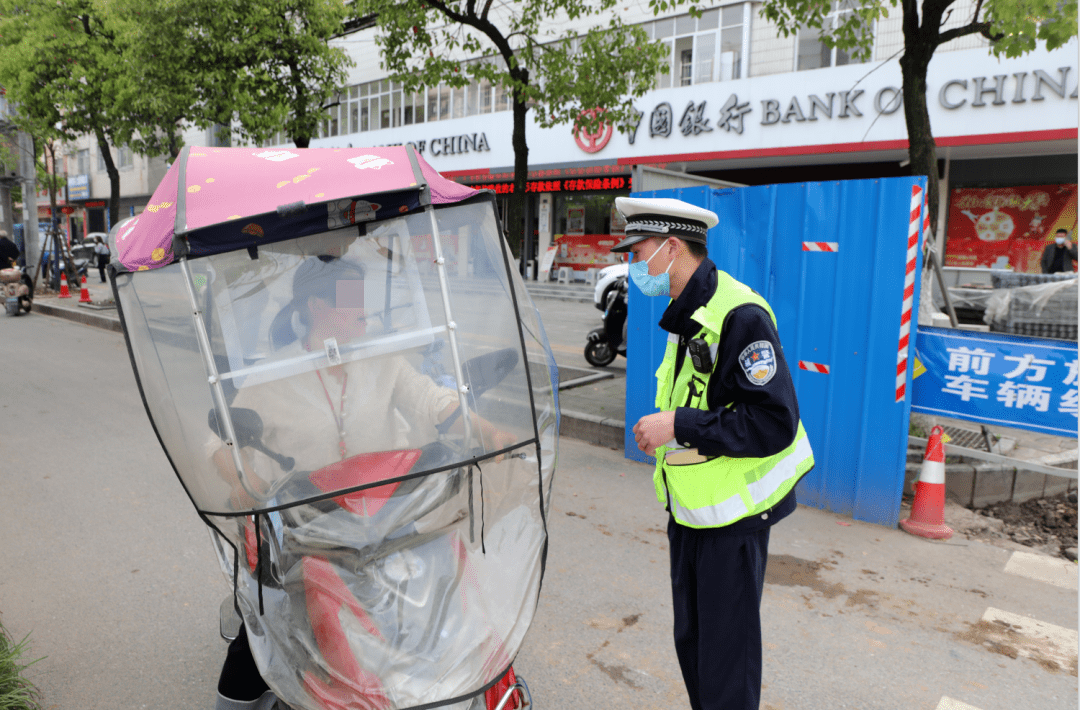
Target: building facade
743,104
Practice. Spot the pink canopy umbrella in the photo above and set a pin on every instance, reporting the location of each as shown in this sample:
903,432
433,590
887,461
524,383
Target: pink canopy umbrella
214,200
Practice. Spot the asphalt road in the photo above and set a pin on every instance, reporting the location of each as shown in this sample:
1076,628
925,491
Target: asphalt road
108,568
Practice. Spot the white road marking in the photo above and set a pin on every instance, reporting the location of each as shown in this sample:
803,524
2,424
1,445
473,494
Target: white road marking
1032,638
1043,568
947,703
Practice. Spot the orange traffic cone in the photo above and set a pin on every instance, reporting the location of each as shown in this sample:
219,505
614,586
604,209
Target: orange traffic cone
928,510
84,294
64,292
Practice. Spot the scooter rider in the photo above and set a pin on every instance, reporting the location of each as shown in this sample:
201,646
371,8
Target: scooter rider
336,412
728,442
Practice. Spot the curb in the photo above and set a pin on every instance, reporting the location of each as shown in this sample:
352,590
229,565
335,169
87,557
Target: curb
555,294
601,431
86,317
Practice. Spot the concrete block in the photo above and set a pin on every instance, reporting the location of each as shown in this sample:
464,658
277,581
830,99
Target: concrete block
1056,485
959,480
993,484
1029,485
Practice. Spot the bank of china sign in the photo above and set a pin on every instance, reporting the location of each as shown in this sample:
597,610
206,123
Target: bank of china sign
694,118
969,93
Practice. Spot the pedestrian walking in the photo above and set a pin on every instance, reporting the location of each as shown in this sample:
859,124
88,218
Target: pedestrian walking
728,443
101,251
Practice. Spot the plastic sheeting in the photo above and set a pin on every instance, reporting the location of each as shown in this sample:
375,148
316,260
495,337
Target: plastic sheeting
381,504
1051,302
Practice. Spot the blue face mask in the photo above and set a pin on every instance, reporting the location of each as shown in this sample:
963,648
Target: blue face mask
659,285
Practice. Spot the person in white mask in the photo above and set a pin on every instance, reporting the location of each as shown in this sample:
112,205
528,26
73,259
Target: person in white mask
1059,255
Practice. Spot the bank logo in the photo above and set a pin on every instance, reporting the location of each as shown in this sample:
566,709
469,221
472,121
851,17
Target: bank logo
593,142
758,362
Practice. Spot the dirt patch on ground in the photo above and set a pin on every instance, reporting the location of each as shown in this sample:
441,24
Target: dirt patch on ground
1046,523
999,637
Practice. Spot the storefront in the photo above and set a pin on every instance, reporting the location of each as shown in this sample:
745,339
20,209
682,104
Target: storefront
1006,131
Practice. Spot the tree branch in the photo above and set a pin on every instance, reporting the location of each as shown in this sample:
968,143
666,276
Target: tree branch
482,25
982,28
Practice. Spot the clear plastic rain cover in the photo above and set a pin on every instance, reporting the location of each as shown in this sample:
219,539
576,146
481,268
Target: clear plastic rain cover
376,462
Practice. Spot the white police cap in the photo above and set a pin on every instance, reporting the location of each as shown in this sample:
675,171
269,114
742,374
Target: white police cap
663,217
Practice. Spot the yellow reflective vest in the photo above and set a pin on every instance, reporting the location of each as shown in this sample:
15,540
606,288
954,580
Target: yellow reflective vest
714,492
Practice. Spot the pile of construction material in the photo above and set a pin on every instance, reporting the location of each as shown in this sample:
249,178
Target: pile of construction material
1039,305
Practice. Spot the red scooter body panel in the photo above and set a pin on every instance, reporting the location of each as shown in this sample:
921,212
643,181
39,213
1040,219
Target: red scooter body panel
361,469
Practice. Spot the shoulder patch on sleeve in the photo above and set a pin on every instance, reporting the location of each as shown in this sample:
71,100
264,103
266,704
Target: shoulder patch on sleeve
758,362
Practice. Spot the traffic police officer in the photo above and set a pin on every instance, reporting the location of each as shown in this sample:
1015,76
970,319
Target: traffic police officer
728,443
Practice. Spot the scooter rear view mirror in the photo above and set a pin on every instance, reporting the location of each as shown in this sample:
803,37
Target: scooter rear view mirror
248,426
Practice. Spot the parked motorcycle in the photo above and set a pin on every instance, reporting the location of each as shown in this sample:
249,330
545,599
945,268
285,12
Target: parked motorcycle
18,290
609,341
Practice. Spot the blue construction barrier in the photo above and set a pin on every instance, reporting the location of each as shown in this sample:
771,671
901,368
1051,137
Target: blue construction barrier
831,259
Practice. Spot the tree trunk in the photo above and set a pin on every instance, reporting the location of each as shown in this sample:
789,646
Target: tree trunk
521,171
174,143
114,177
922,150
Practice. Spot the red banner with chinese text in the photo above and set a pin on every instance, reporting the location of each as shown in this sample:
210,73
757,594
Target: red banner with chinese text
582,252
988,226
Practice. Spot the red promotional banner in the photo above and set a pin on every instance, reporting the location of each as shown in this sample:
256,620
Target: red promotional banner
1007,226
582,252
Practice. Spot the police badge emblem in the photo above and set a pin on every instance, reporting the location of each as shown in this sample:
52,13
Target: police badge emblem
758,362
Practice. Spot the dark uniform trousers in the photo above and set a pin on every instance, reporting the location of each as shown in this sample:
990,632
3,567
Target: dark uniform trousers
717,577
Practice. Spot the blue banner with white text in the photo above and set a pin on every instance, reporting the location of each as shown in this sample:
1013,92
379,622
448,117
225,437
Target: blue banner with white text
997,379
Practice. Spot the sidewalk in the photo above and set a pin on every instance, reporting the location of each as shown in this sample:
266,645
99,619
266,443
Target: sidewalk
99,313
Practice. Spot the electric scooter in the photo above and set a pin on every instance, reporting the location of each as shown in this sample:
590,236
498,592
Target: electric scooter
380,556
18,290
608,341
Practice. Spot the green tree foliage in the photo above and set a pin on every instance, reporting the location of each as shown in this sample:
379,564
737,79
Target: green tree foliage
136,72
578,78
288,72
1012,26
256,66
57,62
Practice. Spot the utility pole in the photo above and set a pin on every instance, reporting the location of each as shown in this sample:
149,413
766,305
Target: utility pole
28,173
9,174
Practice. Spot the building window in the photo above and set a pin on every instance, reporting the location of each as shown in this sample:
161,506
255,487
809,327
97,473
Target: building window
100,160
732,21
376,105
704,49
82,162
124,157
813,53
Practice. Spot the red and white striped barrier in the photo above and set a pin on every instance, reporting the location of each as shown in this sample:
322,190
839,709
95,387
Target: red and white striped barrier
928,509
813,367
909,292
821,246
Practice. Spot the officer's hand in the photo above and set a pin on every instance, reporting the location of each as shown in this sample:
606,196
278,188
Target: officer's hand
654,430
